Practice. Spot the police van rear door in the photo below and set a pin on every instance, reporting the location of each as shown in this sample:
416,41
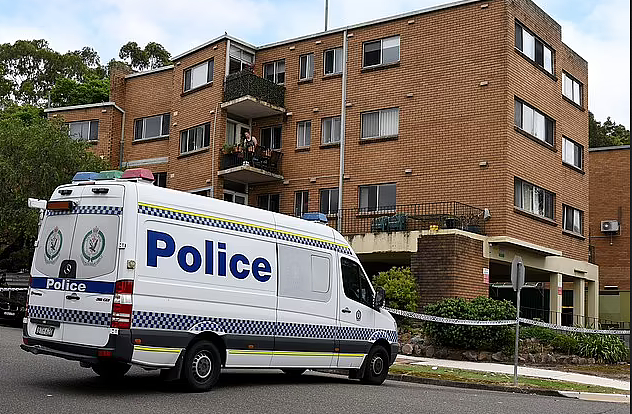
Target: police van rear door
94,253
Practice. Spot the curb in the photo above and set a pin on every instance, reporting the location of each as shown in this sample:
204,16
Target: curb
593,396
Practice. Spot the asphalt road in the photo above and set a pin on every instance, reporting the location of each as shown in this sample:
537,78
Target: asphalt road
43,384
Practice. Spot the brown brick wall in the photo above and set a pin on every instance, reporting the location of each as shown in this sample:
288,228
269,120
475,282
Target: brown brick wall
447,266
610,200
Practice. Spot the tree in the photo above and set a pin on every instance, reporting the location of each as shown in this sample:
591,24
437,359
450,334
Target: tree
68,92
153,56
606,135
36,155
399,287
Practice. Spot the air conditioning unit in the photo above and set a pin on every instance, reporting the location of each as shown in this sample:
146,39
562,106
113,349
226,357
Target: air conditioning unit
609,226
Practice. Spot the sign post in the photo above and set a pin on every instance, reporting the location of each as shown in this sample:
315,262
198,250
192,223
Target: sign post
517,280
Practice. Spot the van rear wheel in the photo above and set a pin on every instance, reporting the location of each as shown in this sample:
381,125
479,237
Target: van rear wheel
111,370
377,366
202,366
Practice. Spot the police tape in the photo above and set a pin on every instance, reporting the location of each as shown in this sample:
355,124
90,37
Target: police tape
431,318
12,289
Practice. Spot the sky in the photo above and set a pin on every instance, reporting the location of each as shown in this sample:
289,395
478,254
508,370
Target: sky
598,30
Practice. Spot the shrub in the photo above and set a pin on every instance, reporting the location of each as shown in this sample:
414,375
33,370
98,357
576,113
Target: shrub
399,287
491,338
567,344
544,335
604,348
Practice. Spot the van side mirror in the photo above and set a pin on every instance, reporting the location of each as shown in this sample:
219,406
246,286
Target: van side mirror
379,297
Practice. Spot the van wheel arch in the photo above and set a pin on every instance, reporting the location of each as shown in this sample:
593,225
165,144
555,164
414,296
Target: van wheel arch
380,342
215,339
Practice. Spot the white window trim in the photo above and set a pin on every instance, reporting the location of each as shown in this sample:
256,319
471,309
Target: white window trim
276,72
535,111
573,82
304,135
190,69
379,111
302,193
269,195
377,199
310,57
329,191
234,194
197,149
581,220
331,119
399,52
335,50
564,154
544,46
533,200
89,131
271,128
143,138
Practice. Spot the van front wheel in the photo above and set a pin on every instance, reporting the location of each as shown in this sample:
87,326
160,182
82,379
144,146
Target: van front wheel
111,370
202,366
377,366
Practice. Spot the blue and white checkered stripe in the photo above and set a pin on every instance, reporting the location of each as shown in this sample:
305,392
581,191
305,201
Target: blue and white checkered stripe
167,321
70,315
244,228
107,210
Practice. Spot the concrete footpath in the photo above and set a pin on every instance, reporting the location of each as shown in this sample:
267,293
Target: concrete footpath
531,372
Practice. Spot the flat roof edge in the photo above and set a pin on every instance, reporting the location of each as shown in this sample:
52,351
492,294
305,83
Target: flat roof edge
210,42
148,72
612,148
84,106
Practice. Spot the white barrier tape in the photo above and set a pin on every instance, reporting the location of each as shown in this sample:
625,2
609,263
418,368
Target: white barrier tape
12,289
470,322
575,329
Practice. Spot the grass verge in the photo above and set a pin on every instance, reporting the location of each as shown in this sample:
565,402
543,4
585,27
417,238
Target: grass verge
475,377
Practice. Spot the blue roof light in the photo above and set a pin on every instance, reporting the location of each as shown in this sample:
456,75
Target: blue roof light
317,217
86,176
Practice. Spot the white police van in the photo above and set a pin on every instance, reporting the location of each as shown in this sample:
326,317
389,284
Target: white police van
129,273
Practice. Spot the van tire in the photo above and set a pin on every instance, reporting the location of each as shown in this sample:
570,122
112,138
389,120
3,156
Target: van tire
202,366
111,370
376,369
294,372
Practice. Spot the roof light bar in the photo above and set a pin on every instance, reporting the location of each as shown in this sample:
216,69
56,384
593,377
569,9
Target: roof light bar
86,176
142,173
110,174
317,217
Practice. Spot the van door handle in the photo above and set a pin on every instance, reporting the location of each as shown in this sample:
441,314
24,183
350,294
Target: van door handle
346,310
36,293
74,296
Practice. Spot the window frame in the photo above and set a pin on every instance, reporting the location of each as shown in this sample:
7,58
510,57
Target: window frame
534,189
381,63
268,198
205,138
333,50
157,179
330,119
565,211
330,191
242,62
379,112
574,81
536,39
532,133
306,143
304,202
275,71
565,139
272,128
378,208
91,123
164,116
210,70
310,65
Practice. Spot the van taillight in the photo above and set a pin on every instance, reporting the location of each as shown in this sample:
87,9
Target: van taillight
122,304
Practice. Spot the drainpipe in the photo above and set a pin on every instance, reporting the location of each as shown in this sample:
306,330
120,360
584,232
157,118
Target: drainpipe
122,142
213,173
342,128
227,65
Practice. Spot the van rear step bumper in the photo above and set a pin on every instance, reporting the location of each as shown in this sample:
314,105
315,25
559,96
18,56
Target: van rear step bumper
120,346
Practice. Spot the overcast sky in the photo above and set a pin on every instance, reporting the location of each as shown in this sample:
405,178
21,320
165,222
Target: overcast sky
599,30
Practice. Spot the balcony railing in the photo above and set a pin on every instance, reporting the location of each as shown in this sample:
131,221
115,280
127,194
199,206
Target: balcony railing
408,217
245,83
261,158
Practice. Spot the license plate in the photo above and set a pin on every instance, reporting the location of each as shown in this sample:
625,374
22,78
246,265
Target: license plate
44,330
7,313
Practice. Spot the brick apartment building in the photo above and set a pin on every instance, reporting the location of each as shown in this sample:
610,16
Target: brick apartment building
464,129
610,202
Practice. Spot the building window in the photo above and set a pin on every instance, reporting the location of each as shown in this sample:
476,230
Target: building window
333,61
534,122
160,179
572,88
381,52
572,153
534,199
377,198
573,220
303,134
239,59
84,130
275,71
306,63
534,48
329,201
198,75
382,123
301,203
235,132
331,130
195,138
152,127
271,137
269,202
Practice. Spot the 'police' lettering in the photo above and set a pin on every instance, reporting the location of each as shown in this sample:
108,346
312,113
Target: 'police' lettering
190,259
63,284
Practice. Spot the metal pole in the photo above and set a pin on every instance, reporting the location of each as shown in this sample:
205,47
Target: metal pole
342,129
326,13
515,380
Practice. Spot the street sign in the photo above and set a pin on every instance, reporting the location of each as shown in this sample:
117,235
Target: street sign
517,273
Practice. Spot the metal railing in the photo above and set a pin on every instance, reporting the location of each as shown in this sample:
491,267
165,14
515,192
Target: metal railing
570,319
261,158
408,217
245,83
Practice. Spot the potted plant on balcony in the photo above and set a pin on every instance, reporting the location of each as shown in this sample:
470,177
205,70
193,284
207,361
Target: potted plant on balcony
228,148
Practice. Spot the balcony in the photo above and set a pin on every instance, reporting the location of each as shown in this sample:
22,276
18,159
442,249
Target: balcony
411,217
253,167
249,96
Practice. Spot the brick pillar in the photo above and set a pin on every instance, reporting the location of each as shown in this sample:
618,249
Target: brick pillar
592,308
448,266
555,293
579,297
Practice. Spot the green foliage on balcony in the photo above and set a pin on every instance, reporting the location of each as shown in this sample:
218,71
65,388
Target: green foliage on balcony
247,83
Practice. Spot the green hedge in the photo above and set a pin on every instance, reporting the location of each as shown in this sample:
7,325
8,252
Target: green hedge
399,287
491,338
